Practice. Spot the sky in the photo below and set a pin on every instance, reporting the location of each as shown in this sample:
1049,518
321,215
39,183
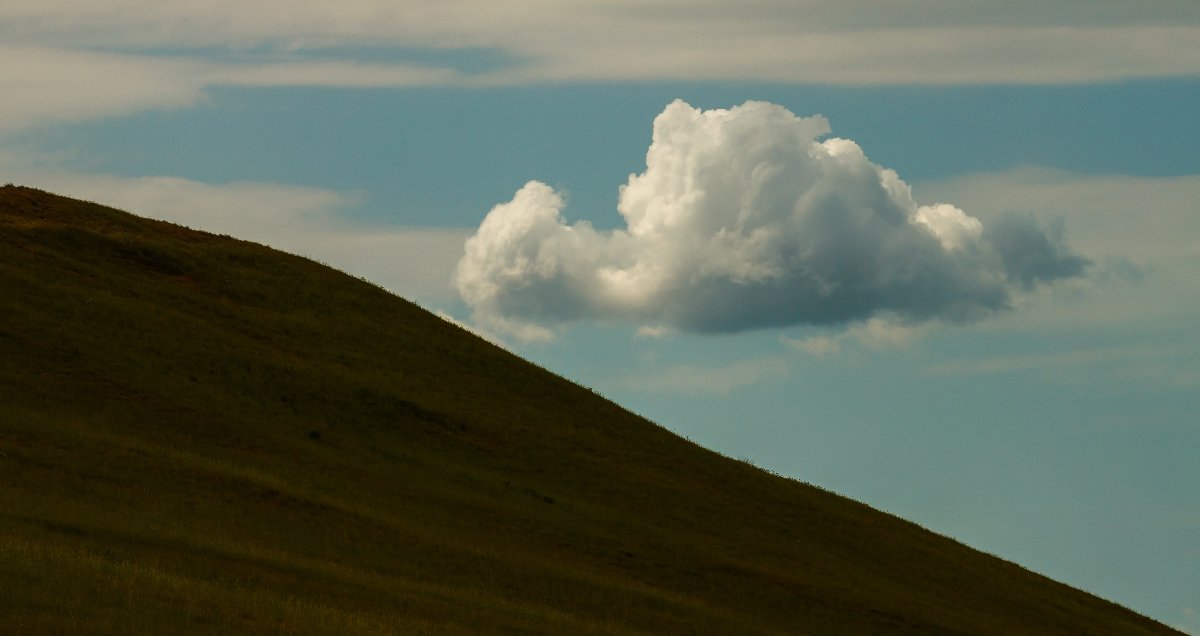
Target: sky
938,256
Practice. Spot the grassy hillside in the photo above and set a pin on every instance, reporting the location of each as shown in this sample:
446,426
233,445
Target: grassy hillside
200,434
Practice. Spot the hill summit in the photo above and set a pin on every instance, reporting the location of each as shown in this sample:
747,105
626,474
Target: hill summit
203,435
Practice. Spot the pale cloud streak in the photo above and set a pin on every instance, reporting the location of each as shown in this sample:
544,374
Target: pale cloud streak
884,56
1166,366
71,60
876,334
46,86
721,379
414,262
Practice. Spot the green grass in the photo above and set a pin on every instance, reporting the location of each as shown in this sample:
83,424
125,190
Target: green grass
203,435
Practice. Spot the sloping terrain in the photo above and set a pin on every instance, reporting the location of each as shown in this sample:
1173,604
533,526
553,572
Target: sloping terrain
204,435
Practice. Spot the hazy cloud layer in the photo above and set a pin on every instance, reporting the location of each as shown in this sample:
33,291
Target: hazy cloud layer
415,262
75,59
744,218
59,85
247,23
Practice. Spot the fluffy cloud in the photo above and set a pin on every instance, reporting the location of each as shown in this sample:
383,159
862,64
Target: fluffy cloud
744,218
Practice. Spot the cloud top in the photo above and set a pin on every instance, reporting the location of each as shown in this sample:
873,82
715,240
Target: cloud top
745,218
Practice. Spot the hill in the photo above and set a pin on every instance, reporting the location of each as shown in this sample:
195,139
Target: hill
203,435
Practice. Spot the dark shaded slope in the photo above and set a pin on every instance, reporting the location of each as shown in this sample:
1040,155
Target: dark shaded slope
204,434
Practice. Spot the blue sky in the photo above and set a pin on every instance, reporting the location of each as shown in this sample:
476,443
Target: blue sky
1053,423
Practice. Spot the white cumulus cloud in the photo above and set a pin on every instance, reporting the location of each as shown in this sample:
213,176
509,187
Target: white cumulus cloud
745,218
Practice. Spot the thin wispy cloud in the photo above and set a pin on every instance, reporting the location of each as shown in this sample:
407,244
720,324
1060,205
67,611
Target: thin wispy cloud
744,219
1163,366
876,334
